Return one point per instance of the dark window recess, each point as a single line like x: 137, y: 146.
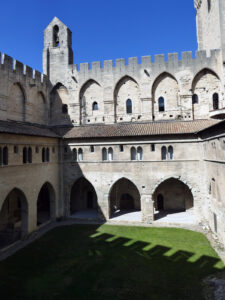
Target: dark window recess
x: 95, y: 106
x: 129, y: 106
x: 195, y: 99
x: 65, y: 149
x: 215, y: 101
x: 37, y: 150
x: 161, y: 103
x: 15, y: 149
x: 65, y: 109
x: 121, y: 148
x: 152, y: 147
x: 92, y: 148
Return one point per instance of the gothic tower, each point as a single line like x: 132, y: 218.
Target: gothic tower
x: 57, y: 53
x: 210, y: 20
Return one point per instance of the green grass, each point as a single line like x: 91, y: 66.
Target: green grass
x: 110, y: 262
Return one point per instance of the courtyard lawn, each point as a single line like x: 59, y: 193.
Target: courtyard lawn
x: 110, y: 262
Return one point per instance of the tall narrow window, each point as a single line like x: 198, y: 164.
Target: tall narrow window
x: 129, y: 106
x: 29, y: 155
x: 47, y: 155
x: 110, y: 152
x: 195, y: 99
x: 5, y: 156
x: 104, y: 154
x: 170, y: 153
x: 133, y: 153
x: 80, y: 154
x: 56, y: 36
x: 139, y: 153
x: 95, y: 106
x: 0, y: 156
x: 74, y: 154
x: 161, y: 103
x: 215, y: 101
x: 24, y: 155
x: 65, y: 109
x: 43, y: 155
x: 209, y: 5
x: 163, y: 153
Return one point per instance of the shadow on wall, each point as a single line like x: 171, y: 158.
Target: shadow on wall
x: 127, y: 266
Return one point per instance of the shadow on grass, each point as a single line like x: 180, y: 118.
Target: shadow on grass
x: 79, y: 262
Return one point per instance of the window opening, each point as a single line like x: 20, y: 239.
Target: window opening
x: 161, y: 103
x: 129, y: 106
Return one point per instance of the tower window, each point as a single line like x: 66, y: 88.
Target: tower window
x: 161, y: 103
x: 152, y: 147
x: 92, y: 148
x: 95, y: 106
x: 56, y: 36
x: 129, y: 106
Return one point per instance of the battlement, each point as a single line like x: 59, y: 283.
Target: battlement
x: 171, y: 63
x: 10, y: 65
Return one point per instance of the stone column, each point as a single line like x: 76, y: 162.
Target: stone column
x: 147, y: 207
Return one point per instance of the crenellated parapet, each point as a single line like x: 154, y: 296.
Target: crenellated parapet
x: 22, y: 72
x: 151, y: 66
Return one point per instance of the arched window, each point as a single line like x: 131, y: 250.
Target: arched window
x: 195, y: 99
x: 80, y: 154
x: 139, y: 153
x: 47, y: 155
x: 56, y: 36
x: 163, y: 153
x: 161, y: 103
x: 24, y: 155
x: 5, y: 156
x: 110, y: 154
x: 170, y: 153
x: 129, y: 106
x: 65, y: 109
x: 95, y: 106
x: 104, y: 154
x: 29, y: 155
x: 74, y: 154
x: 215, y: 101
x: 133, y: 154
x: 43, y: 154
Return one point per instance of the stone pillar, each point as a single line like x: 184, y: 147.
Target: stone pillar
x: 103, y: 210
x: 147, y: 207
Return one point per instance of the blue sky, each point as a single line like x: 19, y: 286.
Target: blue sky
x: 102, y: 29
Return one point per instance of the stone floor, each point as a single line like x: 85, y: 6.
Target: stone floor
x: 185, y: 217
x: 127, y: 216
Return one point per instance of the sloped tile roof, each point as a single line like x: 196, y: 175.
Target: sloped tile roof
x: 26, y: 129
x: 139, y: 129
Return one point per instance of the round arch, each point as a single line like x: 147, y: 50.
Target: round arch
x: 172, y: 194
x: 83, y: 196
x: 124, y: 197
x: 13, y: 217
x: 46, y: 204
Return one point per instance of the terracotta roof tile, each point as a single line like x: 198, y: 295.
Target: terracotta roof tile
x: 26, y: 129
x: 139, y: 129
